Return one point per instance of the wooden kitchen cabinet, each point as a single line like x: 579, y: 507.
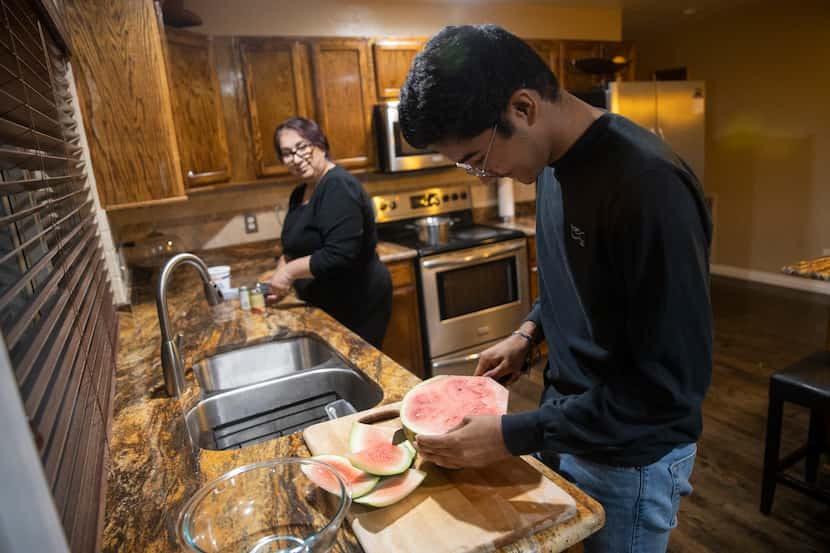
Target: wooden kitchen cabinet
x: 393, y: 59
x: 118, y: 61
x: 278, y: 86
x: 343, y: 88
x: 403, y: 335
x: 197, y: 109
x: 551, y: 52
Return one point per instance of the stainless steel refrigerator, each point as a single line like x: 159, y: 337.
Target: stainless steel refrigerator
x: 674, y: 110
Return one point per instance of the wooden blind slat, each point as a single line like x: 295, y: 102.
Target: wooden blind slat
x: 33, y: 160
x: 25, y: 137
x: 54, y: 227
x: 30, y: 185
x: 39, y: 208
x: 25, y: 113
x: 33, y: 393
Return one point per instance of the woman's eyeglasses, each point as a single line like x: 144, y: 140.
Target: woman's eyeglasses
x: 481, y: 172
x: 301, y: 150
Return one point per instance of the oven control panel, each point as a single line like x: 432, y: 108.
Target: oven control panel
x: 421, y: 202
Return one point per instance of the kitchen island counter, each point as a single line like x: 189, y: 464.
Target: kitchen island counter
x: 153, y: 468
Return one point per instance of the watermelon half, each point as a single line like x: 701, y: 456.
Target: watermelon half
x: 360, y: 482
x: 439, y: 404
x: 367, y: 436
x: 393, y: 489
x: 384, y: 459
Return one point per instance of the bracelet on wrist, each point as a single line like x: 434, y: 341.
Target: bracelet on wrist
x: 524, y: 335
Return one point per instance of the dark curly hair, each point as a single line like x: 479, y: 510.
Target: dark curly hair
x: 306, y: 128
x: 461, y: 83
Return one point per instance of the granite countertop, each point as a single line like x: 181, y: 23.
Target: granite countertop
x: 523, y: 223
x: 817, y: 269
x: 153, y: 468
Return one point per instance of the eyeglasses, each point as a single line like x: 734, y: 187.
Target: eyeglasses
x: 302, y: 150
x: 481, y: 172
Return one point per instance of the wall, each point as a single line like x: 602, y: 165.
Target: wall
x: 768, y: 127
x: 215, y: 219
x: 402, y: 18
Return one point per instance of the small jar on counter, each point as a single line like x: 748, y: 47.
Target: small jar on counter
x: 257, y: 300
x: 244, y: 298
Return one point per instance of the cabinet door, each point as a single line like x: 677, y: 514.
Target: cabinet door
x: 197, y: 109
x: 277, y: 82
x: 343, y: 87
x: 403, y: 335
x: 118, y: 60
x: 551, y: 52
x: 393, y: 58
x: 573, y: 78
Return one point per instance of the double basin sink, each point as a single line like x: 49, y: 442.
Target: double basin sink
x: 271, y: 389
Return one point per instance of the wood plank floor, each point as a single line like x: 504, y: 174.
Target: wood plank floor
x: 758, y: 329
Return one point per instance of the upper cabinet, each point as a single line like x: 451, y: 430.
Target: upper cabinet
x: 551, y: 53
x: 197, y: 109
x: 119, y: 65
x: 278, y: 86
x: 343, y: 87
x: 393, y: 58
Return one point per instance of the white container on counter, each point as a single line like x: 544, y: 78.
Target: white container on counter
x: 507, y: 206
x: 221, y: 276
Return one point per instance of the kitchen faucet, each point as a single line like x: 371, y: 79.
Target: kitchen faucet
x: 171, y: 360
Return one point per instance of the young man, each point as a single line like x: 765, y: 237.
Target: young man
x: 623, y: 239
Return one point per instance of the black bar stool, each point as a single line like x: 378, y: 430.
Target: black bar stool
x: 806, y: 383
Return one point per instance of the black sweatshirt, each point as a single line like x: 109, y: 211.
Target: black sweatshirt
x: 623, y: 236
x: 337, y: 229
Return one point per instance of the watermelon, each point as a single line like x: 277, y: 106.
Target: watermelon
x: 393, y: 489
x: 384, y: 459
x: 367, y: 436
x: 360, y: 482
x: 439, y: 404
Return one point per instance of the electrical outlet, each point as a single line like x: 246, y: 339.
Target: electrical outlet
x: 250, y: 223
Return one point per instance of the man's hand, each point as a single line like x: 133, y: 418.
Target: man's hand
x: 504, y: 360
x: 476, y: 442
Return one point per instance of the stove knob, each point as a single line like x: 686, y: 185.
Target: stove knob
x: 393, y: 204
x: 383, y: 206
x: 463, y: 195
x: 455, y: 196
x: 446, y: 198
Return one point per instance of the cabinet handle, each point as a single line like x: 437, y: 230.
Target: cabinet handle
x: 207, y: 176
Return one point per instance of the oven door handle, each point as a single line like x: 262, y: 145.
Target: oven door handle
x: 430, y: 263
x: 456, y: 360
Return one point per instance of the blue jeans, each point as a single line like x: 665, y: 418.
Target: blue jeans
x: 640, y: 503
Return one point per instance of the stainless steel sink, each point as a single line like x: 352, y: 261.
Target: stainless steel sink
x: 265, y: 361
x: 277, y: 407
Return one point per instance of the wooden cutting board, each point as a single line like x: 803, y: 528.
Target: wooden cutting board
x: 453, y: 511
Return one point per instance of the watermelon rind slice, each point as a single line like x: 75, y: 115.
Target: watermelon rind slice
x: 493, y: 400
x: 384, y: 459
x: 364, y: 436
x: 393, y: 489
x: 360, y: 481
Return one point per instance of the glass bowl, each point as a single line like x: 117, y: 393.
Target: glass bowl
x: 266, y: 507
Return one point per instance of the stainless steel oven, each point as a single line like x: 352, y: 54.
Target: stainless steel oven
x: 473, y: 296
x: 395, y: 153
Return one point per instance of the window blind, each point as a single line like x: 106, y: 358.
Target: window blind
x: 56, y: 309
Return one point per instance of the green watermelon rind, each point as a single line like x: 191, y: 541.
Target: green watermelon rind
x: 390, y: 470
x: 358, y: 490
x: 360, y: 434
x: 371, y: 499
x: 410, y: 428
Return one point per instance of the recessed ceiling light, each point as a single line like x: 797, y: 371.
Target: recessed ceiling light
x: 690, y: 11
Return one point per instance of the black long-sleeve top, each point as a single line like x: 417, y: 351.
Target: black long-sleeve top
x: 623, y: 237
x: 337, y: 229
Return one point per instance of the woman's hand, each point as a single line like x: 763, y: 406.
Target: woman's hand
x: 281, y: 280
x: 504, y: 361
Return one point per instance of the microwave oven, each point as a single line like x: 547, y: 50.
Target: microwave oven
x: 395, y: 153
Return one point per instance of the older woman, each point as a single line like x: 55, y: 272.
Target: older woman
x: 329, y: 236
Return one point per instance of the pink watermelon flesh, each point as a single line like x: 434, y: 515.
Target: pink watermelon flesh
x: 384, y: 459
x: 360, y: 482
x: 439, y: 404
x: 393, y: 489
x: 368, y: 436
